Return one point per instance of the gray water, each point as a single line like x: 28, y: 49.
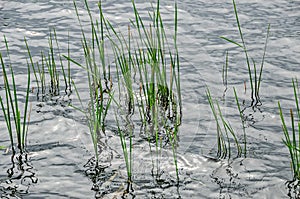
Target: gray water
x: 59, y: 143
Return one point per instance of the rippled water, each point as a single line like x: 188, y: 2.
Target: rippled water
x: 58, y: 140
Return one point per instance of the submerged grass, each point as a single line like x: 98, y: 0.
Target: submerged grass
x: 15, y: 121
x: 292, y: 134
x: 255, y: 82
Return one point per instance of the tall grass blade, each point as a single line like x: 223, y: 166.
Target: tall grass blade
x: 18, y: 122
x: 262, y: 62
x: 291, y: 139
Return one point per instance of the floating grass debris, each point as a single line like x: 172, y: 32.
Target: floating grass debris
x: 16, y: 122
x: 255, y: 82
x: 292, y: 133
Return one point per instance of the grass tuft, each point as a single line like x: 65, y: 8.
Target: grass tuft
x: 225, y: 132
x: 50, y: 71
x: 292, y: 133
x: 255, y: 76
x: 11, y: 109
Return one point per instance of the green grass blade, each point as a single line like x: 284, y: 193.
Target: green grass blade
x: 263, y: 60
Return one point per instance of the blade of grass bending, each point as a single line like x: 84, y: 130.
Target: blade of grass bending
x: 80, y: 65
x: 79, y: 98
x: 100, y: 44
x: 231, y: 41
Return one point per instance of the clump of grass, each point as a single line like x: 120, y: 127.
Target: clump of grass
x: 100, y: 95
x: 148, y: 68
x: 16, y: 122
x: 292, y: 134
x: 147, y: 57
x: 158, y: 65
x: 50, y: 71
x: 123, y: 60
x: 225, y: 132
x: 255, y: 82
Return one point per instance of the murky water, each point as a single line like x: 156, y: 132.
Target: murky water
x: 60, y: 148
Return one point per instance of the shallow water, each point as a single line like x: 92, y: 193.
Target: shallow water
x: 59, y: 144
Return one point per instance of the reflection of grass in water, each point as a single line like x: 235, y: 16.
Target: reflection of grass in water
x: 21, y: 176
x: 292, y: 139
x: 255, y: 81
x: 15, y: 121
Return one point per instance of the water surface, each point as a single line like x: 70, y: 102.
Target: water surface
x: 59, y: 144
